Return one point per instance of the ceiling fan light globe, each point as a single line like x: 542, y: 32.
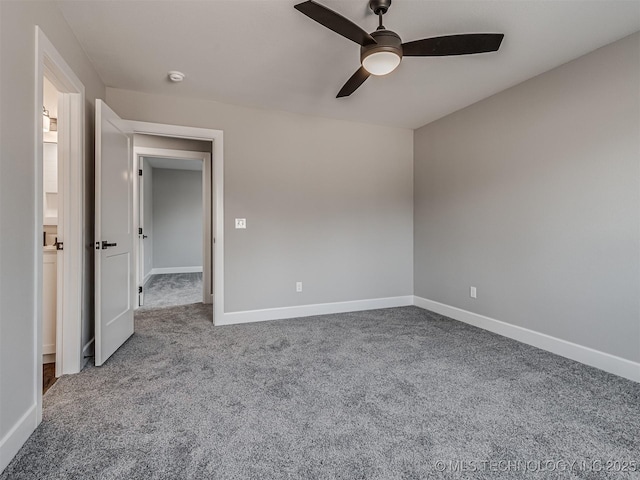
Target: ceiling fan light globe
x: 381, y: 63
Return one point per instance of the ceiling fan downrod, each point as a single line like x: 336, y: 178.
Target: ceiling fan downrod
x: 379, y: 7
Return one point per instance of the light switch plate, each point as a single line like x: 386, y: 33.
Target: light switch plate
x: 241, y: 223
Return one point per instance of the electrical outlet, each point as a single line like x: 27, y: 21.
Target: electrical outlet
x: 472, y: 292
x: 298, y: 287
x: 241, y: 223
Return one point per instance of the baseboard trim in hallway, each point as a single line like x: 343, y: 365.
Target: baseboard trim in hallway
x: 165, y: 270
x: 589, y: 356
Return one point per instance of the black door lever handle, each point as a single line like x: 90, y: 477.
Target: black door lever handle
x: 106, y: 244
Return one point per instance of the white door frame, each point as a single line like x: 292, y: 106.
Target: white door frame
x: 71, y: 153
x: 216, y: 137
x: 205, y: 157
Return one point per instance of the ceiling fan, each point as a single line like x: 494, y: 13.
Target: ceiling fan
x: 382, y: 50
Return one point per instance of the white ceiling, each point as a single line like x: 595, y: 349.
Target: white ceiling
x: 174, y: 163
x: 264, y: 53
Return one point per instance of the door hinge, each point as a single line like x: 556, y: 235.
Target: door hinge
x: 140, y: 172
x: 139, y: 289
x: 59, y: 245
x: 139, y: 231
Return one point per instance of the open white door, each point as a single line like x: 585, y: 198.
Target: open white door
x: 114, y: 268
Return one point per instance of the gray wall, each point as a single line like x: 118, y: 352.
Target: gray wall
x: 532, y: 196
x: 327, y: 202
x: 147, y: 218
x: 177, y: 218
x: 17, y: 187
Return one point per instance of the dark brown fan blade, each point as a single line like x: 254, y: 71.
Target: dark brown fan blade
x: 353, y: 83
x: 465, y: 44
x: 336, y: 22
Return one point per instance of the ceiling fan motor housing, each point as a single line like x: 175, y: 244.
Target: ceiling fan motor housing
x: 379, y: 6
x: 388, y: 41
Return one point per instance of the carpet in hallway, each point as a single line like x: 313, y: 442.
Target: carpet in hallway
x: 172, y: 289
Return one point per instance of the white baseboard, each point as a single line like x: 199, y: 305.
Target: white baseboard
x: 589, y: 356
x: 248, y: 316
x: 48, y: 349
x: 146, y: 278
x: 160, y: 270
x: 49, y: 358
x: 15, y: 438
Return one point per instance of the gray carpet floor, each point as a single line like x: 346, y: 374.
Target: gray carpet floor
x: 387, y: 394
x: 172, y: 289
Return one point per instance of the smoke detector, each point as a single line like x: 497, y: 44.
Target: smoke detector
x: 176, y: 76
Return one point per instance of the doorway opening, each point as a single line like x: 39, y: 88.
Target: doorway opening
x: 173, y: 210
x: 59, y: 167
x: 52, y: 194
x: 214, y: 138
